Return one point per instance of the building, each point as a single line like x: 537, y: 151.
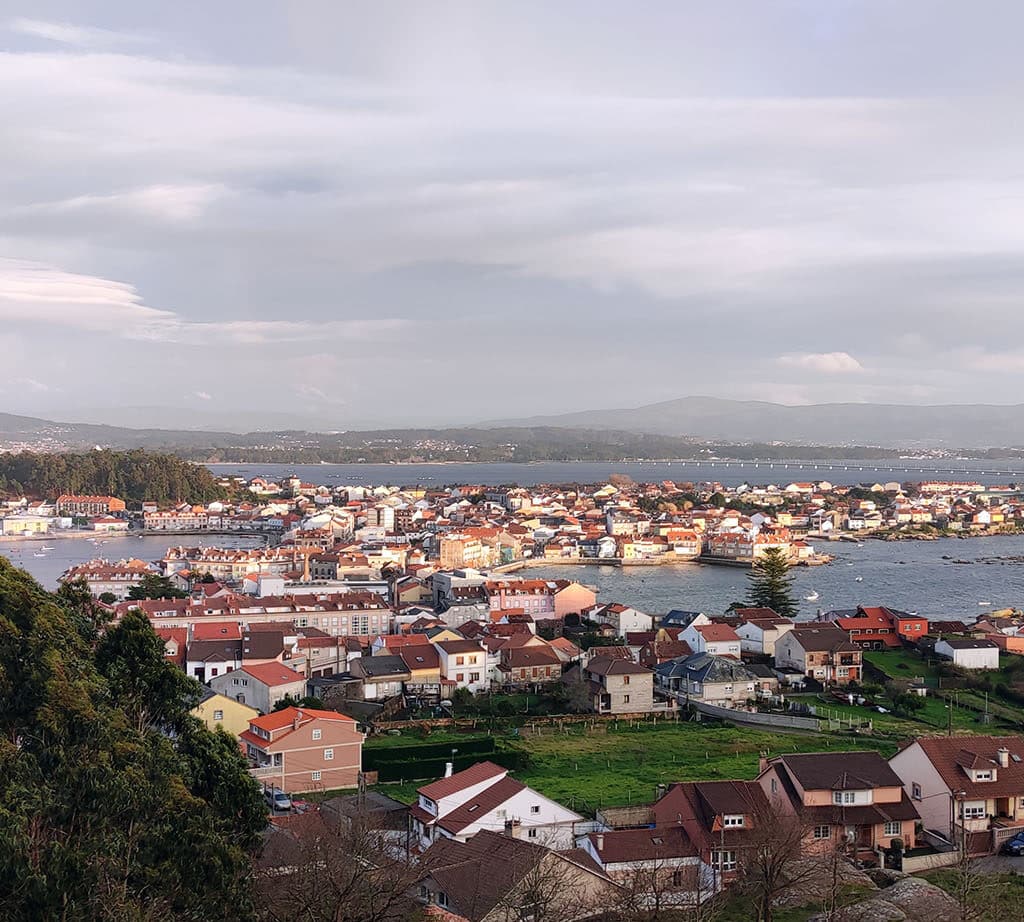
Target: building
x: 464, y: 662
x: 495, y: 878
x: 216, y: 710
x: 623, y: 618
x: 260, y: 686
x: 484, y: 797
x: 619, y: 686
x: 26, y: 524
x: 529, y: 664
x: 968, y: 788
x: 104, y: 577
x: 759, y: 630
x: 69, y: 504
x: 820, y: 651
x: 718, y: 680
x: 846, y: 800
x: 715, y: 638
x: 304, y: 749
x: 969, y: 652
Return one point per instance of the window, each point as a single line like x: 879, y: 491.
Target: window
x: 535, y: 808
x: 328, y: 755
x: 893, y: 829
x: 775, y: 786
x: 316, y: 776
x: 531, y: 833
x: 625, y: 699
x: 475, y: 676
x: 844, y: 797
x: 724, y: 860
x: 735, y: 819
x: 983, y: 776
x: 677, y: 878
x: 424, y: 892
x: 915, y: 791
x: 625, y: 680
x: 459, y: 676
x: 234, y: 681
x: 973, y: 811
x: 218, y: 715
x: 460, y: 661
x: 317, y: 734
x: 442, y: 898
x: 843, y: 672
x: 822, y: 832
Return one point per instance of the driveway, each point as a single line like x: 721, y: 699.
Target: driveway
x: 1000, y: 864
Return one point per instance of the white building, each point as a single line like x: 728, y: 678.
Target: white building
x: 623, y: 618
x: 464, y: 662
x: 968, y: 653
x: 260, y: 686
x: 483, y: 797
x: 758, y: 635
x: 716, y: 639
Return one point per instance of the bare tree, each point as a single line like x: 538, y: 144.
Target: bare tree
x: 977, y: 894
x: 319, y: 870
x: 773, y: 864
x: 663, y: 891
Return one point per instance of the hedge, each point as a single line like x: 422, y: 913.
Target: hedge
x: 477, y: 749
x: 429, y: 769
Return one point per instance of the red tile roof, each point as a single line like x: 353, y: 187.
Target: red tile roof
x: 475, y: 774
x: 286, y: 717
x: 272, y: 674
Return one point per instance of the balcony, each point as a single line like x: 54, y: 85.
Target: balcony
x: 264, y: 772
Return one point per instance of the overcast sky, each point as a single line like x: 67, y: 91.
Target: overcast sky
x: 396, y: 212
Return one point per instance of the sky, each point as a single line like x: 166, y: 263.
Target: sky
x: 406, y: 213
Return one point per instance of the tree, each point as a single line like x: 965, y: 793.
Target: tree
x: 309, y: 701
x: 573, y: 693
x: 325, y: 869
x: 153, y: 586
x: 104, y: 813
x: 772, y: 864
x: 771, y: 585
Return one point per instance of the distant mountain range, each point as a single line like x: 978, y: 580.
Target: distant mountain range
x: 715, y: 419
x: 674, y: 428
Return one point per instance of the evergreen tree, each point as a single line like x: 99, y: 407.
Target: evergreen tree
x: 114, y: 803
x: 155, y: 587
x: 771, y: 585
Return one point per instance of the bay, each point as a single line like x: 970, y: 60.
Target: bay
x: 728, y: 473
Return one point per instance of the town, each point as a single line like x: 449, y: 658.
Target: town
x: 383, y: 668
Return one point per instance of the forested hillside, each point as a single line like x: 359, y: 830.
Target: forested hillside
x: 131, y: 475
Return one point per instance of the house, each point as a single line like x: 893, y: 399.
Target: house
x: 820, y: 651
x: 495, y: 878
x: 851, y: 800
x: 870, y: 629
x: 216, y: 710
x: 619, y: 686
x: 464, y: 662
x: 483, y: 796
x: 572, y: 598
x: 759, y: 630
x: 261, y: 686
x: 720, y: 818
x: 304, y: 749
x: 381, y: 677
x: 659, y: 865
x: 968, y: 788
x: 715, y: 638
x: 622, y: 618
x: 718, y: 680
x: 72, y: 505
x: 969, y: 652
x: 529, y: 664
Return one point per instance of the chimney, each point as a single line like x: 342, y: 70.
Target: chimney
x: 762, y: 763
x: 448, y: 769
x: 599, y: 838
x: 1003, y: 754
x: 661, y: 791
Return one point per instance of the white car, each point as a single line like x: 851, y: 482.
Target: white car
x: 278, y: 800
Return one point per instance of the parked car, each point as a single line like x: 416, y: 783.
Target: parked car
x: 1014, y: 846
x: 278, y: 800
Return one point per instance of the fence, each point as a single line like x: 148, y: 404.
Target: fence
x: 756, y: 718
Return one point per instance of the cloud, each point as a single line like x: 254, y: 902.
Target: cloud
x: 37, y: 293
x: 65, y: 33
x: 825, y: 362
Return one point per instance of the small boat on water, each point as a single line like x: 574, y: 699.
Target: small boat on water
x: 813, y: 597
x: 38, y: 555
x: 984, y: 603
x: 858, y: 579
x: 46, y: 547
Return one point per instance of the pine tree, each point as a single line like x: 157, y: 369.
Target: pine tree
x: 771, y: 585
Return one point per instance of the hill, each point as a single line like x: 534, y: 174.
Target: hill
x: 716, y: 419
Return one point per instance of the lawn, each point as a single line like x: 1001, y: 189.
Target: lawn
x: 933, y: 717
x: 900, y: 664
x: 590, y: 769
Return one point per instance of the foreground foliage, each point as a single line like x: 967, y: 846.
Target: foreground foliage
x: 115, y: 804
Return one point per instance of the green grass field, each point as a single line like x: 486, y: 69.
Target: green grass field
x: 591, y: 769
x: 899, y: 664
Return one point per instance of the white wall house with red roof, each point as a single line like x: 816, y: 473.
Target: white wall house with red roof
x: 716, y: 639
x: 304, y: 749
x: 484, y: 798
